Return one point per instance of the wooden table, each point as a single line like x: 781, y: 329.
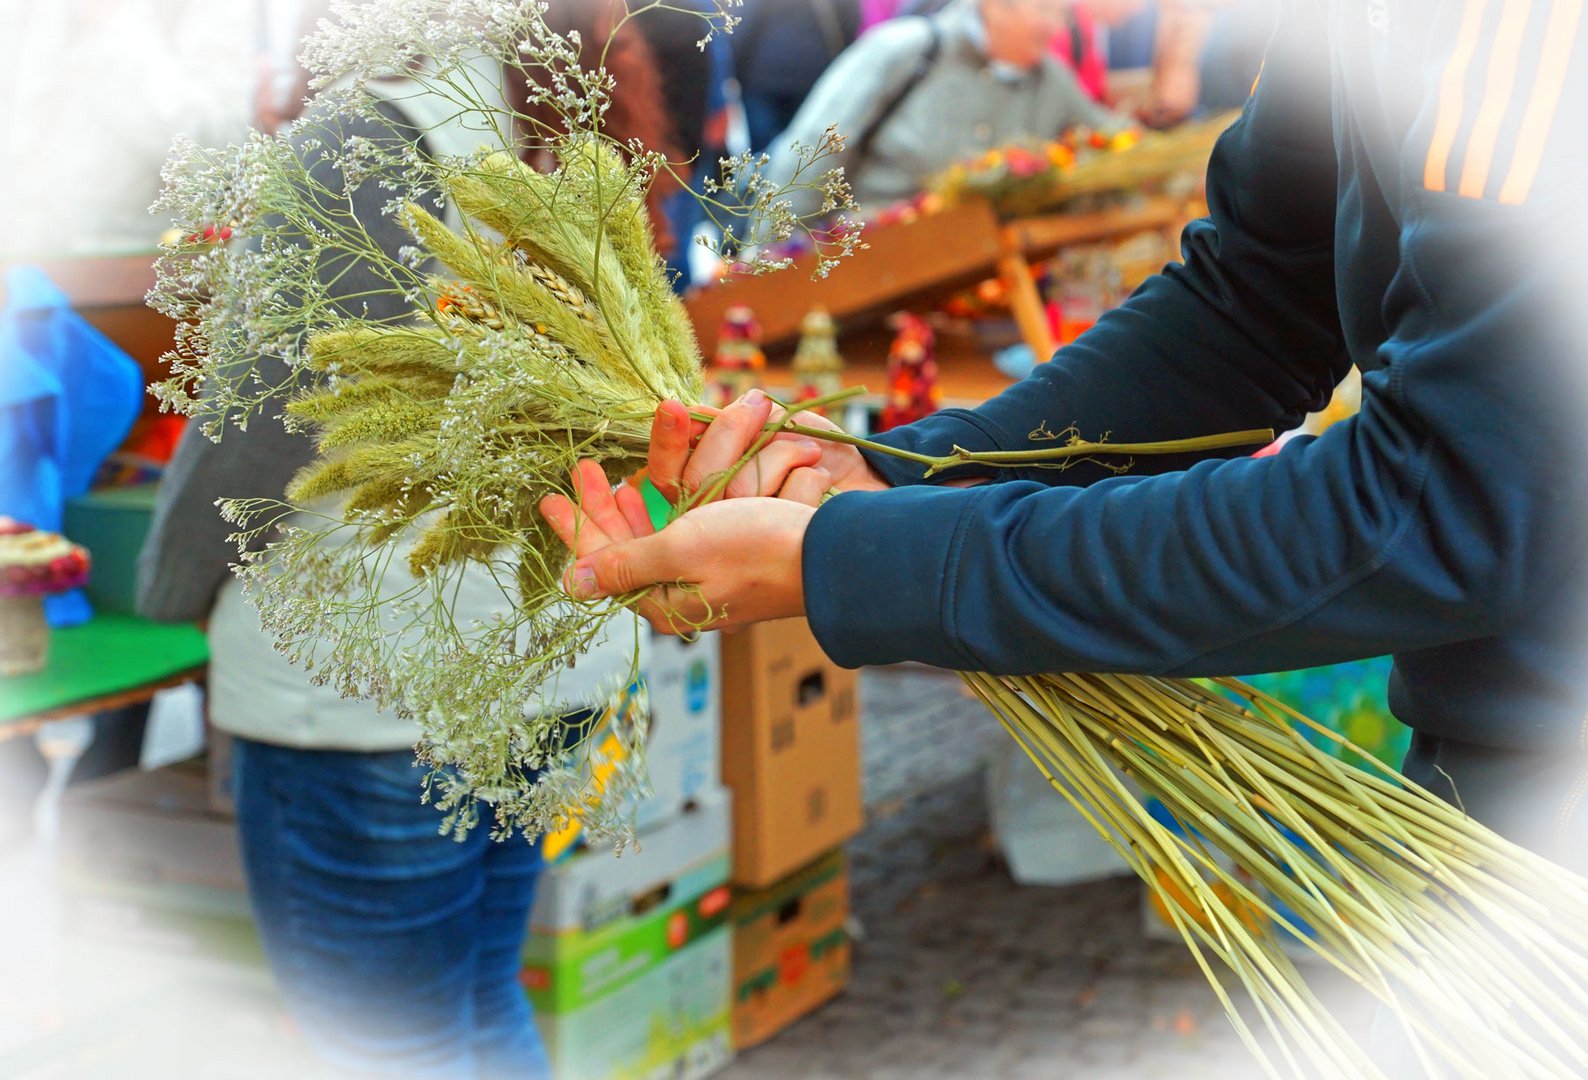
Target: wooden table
x: 920, y: 263
x: 109, y: 662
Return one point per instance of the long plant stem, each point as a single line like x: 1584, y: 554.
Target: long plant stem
x: 1045, y: 457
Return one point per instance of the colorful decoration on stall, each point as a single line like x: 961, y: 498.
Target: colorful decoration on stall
x: 33, y: 564
x: 818, y: 367
x: 912, y: 373
x: 1026, y: 179
x: 988, y: 298
x: 738, y: 362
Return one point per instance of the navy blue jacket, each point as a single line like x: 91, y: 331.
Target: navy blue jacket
x: 1399, y: 193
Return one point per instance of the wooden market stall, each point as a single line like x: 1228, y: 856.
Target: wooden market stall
x: 918, y: 264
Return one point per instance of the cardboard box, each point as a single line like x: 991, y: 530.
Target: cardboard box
x: 112, y: 524
x: 686, y: 857
x: 790, y: 750
x: 669, y: 1021
x: 627, y: 963
x: 683, y: 750
x: 1044, y: 840
x: 790, y: 948
x: 564, y: 973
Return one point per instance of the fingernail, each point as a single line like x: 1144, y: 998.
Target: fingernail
x: 666, y: 420
x: 755, y: 397
x: 582, y: 582
x: 809, y: 444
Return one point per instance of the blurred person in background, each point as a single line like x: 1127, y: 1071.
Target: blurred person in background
x: 639, y: 107
x: 780, y: 50
x: 695, y: 88
x: 397, y: 948
x: 918, y: 94
x: 669, y: 96
x: 1233, y: 53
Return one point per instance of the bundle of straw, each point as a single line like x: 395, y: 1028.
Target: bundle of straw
x: 1152, y: 158
x: 1478, y: 945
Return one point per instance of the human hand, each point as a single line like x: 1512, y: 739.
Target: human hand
x: 719, y: 565
x: 680, y: 466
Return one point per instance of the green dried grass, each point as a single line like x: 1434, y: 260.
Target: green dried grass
x: 1480, y: 946
x: 559, y: 318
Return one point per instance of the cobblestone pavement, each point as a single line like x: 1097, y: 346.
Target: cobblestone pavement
x: 962, y: 973
x: 959, y: 972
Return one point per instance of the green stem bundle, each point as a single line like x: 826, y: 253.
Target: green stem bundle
x: 1477, y: 945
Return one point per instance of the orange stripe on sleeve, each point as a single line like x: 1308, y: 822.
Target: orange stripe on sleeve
x: 1496, y: 97
x: 1451, y: 96
x: 1559, y: 37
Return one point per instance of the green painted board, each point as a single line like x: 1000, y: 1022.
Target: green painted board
x: 109, y: 654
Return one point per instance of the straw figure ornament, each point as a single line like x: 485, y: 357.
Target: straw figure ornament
x: 818, y: 368
x: 540, y: 329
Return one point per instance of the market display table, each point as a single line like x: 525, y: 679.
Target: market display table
x: 916, y: 263
x: 110, y: 661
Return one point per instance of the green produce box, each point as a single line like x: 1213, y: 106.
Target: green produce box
x: 669, y: 1020
x: 601, y: 921
x: 112, y: 524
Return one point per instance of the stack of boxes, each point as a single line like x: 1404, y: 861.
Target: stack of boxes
x: 791, y: 756
x: 627, y: 962
x: 651, y: 964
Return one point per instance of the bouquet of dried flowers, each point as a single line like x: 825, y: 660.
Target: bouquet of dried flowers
x: 536, y: 326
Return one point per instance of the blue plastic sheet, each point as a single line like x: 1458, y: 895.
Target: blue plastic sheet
x: 68, y: 397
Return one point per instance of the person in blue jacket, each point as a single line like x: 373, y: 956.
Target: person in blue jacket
x: 1399, y: 193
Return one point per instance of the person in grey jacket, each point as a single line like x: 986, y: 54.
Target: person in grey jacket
x: 916, y: 95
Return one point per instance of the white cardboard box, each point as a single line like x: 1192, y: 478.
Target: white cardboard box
x: 593, y: 886
x: 1044, y: 839
x: 684, y: 750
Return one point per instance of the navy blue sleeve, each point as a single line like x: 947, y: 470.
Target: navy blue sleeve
x: 1449, y: 509
x: 1243, y: 334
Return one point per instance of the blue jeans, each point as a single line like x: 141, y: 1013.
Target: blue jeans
x: 397, y: 949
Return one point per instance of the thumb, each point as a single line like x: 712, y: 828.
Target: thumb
x: 624, y: 567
